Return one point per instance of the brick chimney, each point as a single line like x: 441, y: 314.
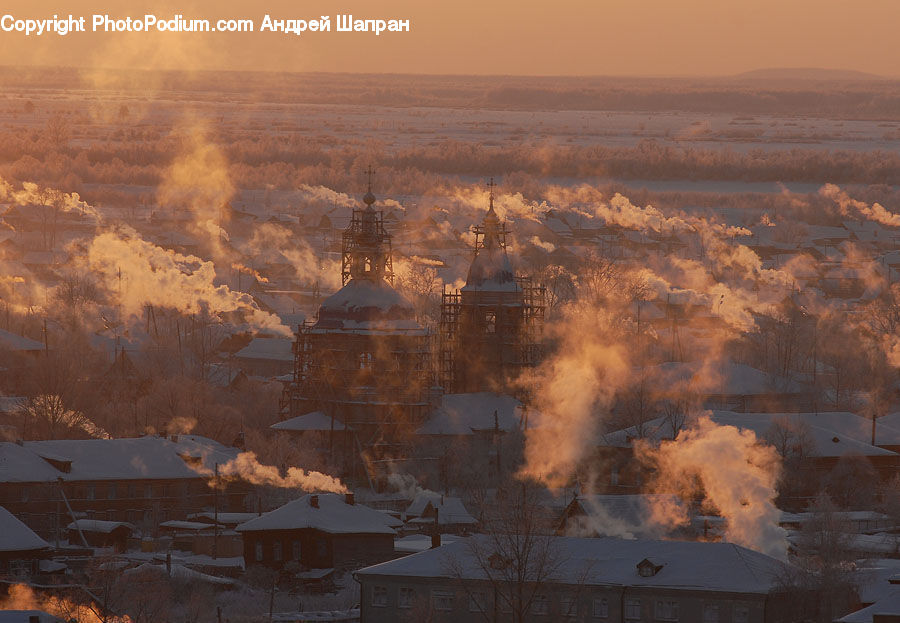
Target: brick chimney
x: 436, y: 532
x: 349, y: 498
x: 314, y: 501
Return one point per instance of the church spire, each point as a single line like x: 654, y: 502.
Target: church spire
x: 493, y: 233
x: 369, y: 198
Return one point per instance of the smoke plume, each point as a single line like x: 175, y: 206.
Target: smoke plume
x: 246, y: 467
x: 737, y: 473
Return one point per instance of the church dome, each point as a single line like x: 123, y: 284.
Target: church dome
x: 491, y: 270
x: 367, y: 304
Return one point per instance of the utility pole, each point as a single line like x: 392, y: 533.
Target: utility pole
x: 216, y: 514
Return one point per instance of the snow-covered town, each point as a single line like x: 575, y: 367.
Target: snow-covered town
x: 432, y: 346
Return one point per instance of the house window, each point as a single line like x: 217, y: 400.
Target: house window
x: 295, y: 550
x: 365, y: 361
x: 111, y: 492
x: 405, y: 597
x: 276, y: 550
x: 380, y: 596
x: 614, y: 476
x: 442, y: 600
x: 741, y: 614
x: 91, y: 492
x: 258, y: 550
x: 568, y: 607
x: 477, y: 601
x: 540, y: 605
x: 20, y: 568
x: 633, y: 609
x: 148, y: 491
x: 711, y: 613
x: 601, y: 608
x: 490, y: 322
x: 666, y: 610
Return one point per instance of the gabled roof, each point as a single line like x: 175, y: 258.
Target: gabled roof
x: 100, y: 526
x: 463, y: 414
x: 15, y: 536
x: 450, y: 510
x: 316, y: 420
x: 269, y: 348
x: 609, y: 561
x: 138, y: 458
x: 333, y: 516
x: 887, y: 605
x: 14, y: 342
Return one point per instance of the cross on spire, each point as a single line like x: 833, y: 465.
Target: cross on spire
x: 370, y: 172
x: 491, y: 195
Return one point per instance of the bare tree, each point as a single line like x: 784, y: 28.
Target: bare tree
x: 45, y: 417
x: 514, y: 560
x: 818, y: 587
x: 420, y: 284
x: 853, y: 482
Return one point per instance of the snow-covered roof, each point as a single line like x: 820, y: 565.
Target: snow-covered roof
x: 15, y: 536
x: 225, y: 519
x: 450, y: 509
x: 270, y: 348
x: 826, y: 232
x: 315, y: 420
x: 413, y: 543
x: 176, y: 524
x: 99, y: 526
x: 180, y: 572
x: 873, y: 578
x: 364, y: 304
x: 888, y: 605
x: 18, y: 343
x: 138, y: 458
x: 462, y: 414
x: 855, y: 426
x: 614, y: 515
x: 28, y: 616
x: 735, y: 379
x: 824, y: 442
x: 333, y: 515
x: 10, y: 404
x: 610, y: 561
x: 491, y: 271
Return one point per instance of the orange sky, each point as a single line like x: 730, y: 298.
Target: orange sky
x: 569, y: 37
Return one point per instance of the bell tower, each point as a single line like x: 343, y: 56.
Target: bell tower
x: 491, y: 329
x: 365, y: 245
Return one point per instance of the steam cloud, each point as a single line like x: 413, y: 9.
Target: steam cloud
x: 246, y: 467
x: 738, y: 475
x: 150, y: 274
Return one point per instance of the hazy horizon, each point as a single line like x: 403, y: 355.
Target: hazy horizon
x: 829, y: 73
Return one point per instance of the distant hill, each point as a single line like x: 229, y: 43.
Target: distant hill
x: 808, y: 73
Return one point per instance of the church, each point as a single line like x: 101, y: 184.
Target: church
x: 368, y: 376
